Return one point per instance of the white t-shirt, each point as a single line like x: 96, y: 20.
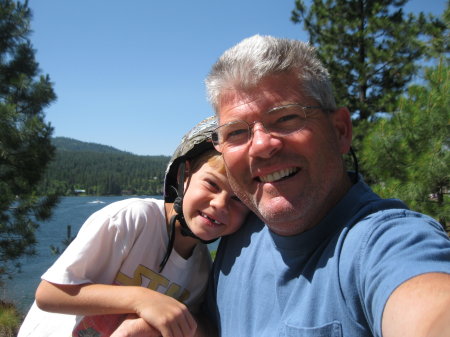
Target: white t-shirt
x: 123, y: 243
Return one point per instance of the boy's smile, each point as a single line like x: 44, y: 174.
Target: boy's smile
x: 210, y: 207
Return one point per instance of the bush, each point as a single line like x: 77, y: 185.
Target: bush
x: 10, y: 320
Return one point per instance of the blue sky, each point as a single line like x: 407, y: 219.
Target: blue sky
x: 130, y: 74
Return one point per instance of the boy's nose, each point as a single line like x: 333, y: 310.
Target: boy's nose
x: 219, y: 202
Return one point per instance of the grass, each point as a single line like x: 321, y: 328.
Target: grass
x: 10, y: 320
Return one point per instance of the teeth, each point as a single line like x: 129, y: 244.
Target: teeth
x: 277, y: 175
x: 211, y: 219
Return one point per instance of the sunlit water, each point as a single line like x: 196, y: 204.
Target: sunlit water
x: 71, y: 211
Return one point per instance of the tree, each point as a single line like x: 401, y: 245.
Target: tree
x: 408, y: 155
x: 370, y: 47
x: 25, y: 138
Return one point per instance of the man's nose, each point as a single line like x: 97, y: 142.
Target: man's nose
x: 263, y: 143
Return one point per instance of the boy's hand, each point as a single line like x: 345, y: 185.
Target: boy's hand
x: 134, y: 326
x: 171, y: 317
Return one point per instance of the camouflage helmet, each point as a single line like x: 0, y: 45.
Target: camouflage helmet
x: 193, y: 143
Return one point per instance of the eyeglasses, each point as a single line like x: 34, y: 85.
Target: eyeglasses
x: 281, y: 121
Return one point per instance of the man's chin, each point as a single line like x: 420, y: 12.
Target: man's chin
x: 269, y: 206
x: 275, y: 210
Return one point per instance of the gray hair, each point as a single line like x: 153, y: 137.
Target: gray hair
x: 247, y: 63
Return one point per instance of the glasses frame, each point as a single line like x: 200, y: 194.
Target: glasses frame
x: 218, y: 146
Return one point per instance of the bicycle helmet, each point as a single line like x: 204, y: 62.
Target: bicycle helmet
x: 193, y: 144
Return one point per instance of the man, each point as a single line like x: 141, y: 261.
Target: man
x: 331, y: 258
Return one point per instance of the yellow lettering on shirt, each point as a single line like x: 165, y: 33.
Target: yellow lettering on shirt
x: 156, y: 282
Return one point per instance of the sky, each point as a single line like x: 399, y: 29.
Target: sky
x: 130, y: 74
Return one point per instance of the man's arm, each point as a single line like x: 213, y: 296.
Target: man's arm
x: 419, y: 307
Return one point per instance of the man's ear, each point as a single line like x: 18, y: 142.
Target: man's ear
x: 343, y: 126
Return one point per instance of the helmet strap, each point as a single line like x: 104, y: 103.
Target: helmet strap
x: 171, y: 242
x: 180, y: 178
x: 178, y: 206
x: 186, y: 231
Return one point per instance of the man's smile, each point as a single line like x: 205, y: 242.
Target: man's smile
x: 278, y: 175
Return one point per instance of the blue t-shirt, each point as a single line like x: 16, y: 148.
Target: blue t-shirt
x: 333, y: 280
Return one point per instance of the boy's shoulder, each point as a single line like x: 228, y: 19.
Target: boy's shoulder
x: 134, y: 203
x: 132, y: 208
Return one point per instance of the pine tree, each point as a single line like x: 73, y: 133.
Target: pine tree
x: 408, y: 155
x: 370, y: 47
x: 25, y: 138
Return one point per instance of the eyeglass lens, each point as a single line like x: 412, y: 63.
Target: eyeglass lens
x: 278, y: 122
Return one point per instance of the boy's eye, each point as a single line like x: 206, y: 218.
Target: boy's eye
x: 212, y: 184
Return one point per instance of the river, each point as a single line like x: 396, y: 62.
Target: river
x: 71, y: 211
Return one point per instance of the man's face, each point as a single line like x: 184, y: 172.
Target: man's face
x: 290, y: 181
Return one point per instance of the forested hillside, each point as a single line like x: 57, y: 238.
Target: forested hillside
x: 95, y: 169
x: 69, y: 144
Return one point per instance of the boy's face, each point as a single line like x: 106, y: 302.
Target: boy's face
x: 210, y: 207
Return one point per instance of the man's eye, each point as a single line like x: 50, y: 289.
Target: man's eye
x: 289, y: 118
x: 237, y: 133
x: 288, y: 123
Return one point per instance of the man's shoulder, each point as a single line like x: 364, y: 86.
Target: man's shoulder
x: 390, y: 213
x: 387, y: 227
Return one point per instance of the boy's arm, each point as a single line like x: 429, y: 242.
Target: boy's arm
x: 134, y: 326
x: 419, y: 307
x: 167, y: 315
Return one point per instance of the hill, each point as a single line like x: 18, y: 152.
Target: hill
x: 69, y: 144
x: 95, y: 169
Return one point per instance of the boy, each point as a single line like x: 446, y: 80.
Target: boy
x: 134, y: 242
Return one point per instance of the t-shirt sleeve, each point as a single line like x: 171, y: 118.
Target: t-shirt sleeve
x: 103, y: 242
x: 398, y: 246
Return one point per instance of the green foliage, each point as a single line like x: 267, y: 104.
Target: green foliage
x: 10, y: 320
x: 102, y: 170
x: 66, y: 242
x: 408, y: 155
x: 69, y: 144
x: 25, y: 138
x: 213, y: 254
x: 371, y: 48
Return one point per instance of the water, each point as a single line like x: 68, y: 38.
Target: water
x: 71, y: 211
